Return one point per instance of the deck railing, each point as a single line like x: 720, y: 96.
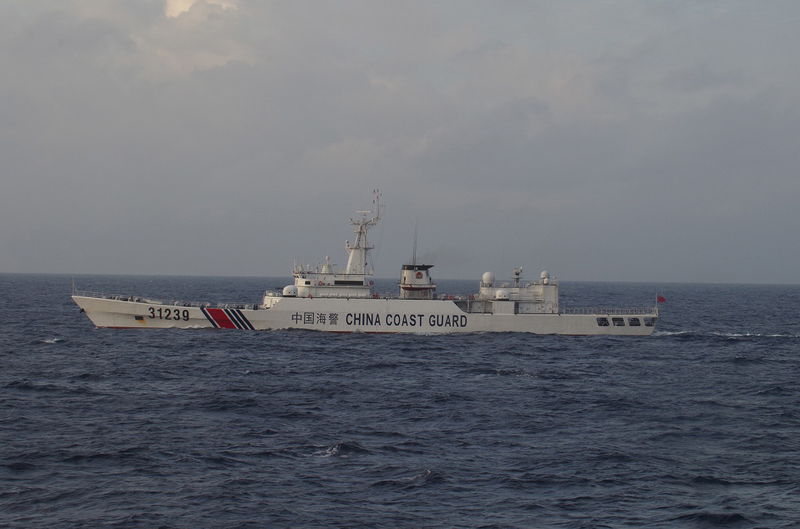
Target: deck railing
x: 174, y: 303
x: 121, y: 297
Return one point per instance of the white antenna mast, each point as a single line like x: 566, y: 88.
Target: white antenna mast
x: 357, y: 258
x: 414, y: 255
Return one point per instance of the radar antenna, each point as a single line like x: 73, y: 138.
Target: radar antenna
x: 357, y: 252
x: 517, y: 273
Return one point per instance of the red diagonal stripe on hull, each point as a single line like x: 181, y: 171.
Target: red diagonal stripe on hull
x: 221, y: 318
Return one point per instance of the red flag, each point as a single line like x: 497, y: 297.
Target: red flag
x: 661, y: 299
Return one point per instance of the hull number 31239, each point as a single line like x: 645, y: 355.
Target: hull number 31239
x: 168, y: 314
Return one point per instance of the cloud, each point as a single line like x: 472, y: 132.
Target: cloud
x: 602, y: 144
x: 176, y: 8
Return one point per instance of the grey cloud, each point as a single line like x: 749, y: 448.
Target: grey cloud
x: 233, y: 141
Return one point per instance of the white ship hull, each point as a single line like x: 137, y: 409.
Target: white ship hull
x: 328, y: 299
x: 360, y: 316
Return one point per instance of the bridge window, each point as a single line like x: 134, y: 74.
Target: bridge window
x: 602, y: 322
x: 649, y: 322
x: 634, y: 322
x: 618, y: 322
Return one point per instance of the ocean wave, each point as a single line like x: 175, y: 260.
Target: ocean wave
x: 18, y: 467
x: 43, y: 387
x: 711, y: 519
x: 342, y: 450
x: 710, y: 480
x: 422, y: 479
x: 48, y: 341
x: 727, y: 335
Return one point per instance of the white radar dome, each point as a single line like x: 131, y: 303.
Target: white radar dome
x: 501, y: 294
x: 545, y: 274
x: 487, y: 279
x: 290, y: 291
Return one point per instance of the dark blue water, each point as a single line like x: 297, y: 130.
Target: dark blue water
x: 696, y: 426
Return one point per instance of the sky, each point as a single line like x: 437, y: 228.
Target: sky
x: 619, y: 140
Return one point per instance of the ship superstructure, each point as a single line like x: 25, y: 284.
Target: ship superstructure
x: 355, y: 281
x: 323, y: 298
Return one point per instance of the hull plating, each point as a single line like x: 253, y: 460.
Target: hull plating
x: 354, y: 315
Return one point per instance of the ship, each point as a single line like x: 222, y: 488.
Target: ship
x: 325, y: 298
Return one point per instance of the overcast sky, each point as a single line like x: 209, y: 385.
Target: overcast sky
x: 603, y: 140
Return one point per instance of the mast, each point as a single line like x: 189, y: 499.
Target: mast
x: 414, y: 255
x: 357, y: 252
x: 415, y: 279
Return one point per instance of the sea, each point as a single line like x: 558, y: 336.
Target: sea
x: 697, y: 426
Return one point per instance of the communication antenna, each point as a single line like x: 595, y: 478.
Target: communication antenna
x: 414, y: 254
